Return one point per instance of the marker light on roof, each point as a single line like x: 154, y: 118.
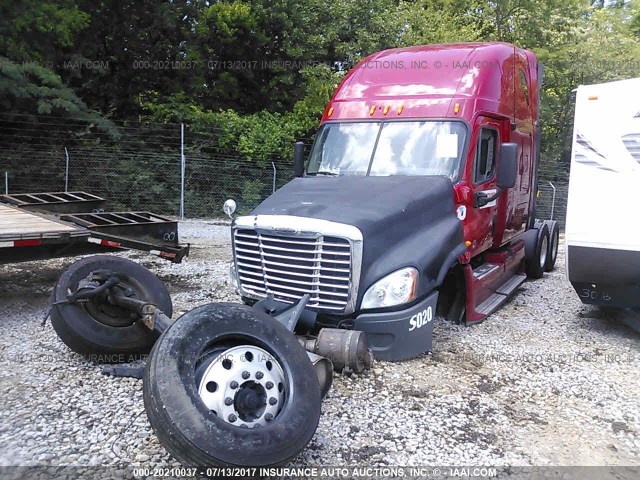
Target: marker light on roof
x: 372, y: 110
x: 456, y: 108
x: 386, y: 110
x: 330, y: 112
x: 400, y: 108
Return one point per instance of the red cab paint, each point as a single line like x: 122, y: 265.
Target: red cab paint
x: 493, y: 88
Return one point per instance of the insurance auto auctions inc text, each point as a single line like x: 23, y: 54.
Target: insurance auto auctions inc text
x: 377, y: 472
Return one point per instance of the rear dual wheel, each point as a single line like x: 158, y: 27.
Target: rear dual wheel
x: 554, y: 241
x: 541, y: 248
x: 228, y: 385
x: 537, y: 251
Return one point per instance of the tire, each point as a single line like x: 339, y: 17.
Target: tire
x: 452, y: 301
x: 98, y: 330
x: 554, y: 240
x: 537, y: 259
x: 188, y: 428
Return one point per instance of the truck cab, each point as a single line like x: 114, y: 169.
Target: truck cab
x: 417, y: 198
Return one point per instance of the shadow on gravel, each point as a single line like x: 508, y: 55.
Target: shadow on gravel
x: 25, y: 280
x: 623, y: 323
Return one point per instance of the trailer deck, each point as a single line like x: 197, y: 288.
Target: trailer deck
x: 46, y: 225
x: 56, y: 202
x: 17, y: 224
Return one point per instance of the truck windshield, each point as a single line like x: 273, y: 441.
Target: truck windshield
x: 388, y: 148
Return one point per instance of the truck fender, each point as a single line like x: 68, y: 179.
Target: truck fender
x: 449, y: 262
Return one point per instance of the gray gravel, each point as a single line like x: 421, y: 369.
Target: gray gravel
x: 544, y: 381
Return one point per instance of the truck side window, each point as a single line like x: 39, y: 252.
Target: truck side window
x: 485, y: 155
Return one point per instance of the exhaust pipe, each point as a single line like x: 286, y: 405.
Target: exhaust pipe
x: 324, y: 372
x: 345, y: 349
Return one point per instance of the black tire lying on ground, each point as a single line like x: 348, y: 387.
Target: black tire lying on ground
x: 178, y: 369
x: 101, y: 331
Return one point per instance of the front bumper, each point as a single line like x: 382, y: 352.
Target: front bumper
x: 400, y: 335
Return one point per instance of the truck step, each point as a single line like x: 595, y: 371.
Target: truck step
x: 484, y: 270
x: 501, y: 294
x: 510, y: 285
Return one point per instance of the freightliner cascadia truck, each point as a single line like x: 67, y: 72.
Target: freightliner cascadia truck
x: 417, y: 199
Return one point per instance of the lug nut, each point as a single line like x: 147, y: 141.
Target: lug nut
x: 259, y: 375
x: 233, y: 385
x: 245, y: 374
x: 273, y: 401
x: 243, y: 426
x: 232, y: 418
x: 269, y: 385
x: 268, y: 417
x: 228, y: 401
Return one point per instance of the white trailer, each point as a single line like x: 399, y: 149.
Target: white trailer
x: 603, y: 224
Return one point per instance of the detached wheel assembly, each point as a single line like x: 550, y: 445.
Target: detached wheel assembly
x: 229, y: 385
x: 96, y: 326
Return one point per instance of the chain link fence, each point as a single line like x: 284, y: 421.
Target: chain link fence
x: 552, y: 199
x: 141, y: 168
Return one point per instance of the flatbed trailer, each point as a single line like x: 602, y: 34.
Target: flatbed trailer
x: 38, y: 226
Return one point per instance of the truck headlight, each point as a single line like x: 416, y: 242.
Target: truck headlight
x: 395, y: 289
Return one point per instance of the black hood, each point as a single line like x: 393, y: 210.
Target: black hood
x: 405, y: 221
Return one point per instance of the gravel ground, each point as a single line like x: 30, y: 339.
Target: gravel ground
x: 544, y: 381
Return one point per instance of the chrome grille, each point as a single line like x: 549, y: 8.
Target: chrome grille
x: 290, y: 266
x: 632, y: 142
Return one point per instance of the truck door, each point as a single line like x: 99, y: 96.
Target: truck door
x: 483, y: 178
x: 516, y: 211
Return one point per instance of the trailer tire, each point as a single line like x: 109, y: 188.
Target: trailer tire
x: 554, y: 240
x: 536, y: 250
x: 182, y: 361
x: 101, y: 342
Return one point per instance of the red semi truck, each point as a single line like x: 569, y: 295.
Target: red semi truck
x: 418, y: 196
x: 422, y: 185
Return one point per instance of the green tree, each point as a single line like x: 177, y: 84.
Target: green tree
x: 33, y: 36
x: 35, y: 31
x: 28, y: 87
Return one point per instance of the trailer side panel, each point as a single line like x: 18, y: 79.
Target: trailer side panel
x: 602, y: 236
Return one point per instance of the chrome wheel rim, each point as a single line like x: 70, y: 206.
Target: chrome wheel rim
x: 244, y: 386
x: 543, y: 251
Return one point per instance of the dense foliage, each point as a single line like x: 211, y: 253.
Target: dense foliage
x: 258, y: 73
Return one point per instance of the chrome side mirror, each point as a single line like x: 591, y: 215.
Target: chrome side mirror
x: 229, y: 207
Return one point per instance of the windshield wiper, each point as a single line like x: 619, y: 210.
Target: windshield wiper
x: 331, y: 174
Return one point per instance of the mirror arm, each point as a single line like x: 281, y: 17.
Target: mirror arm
x: 495, y: 196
